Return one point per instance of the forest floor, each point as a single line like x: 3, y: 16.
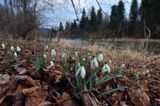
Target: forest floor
x: 30, y: 79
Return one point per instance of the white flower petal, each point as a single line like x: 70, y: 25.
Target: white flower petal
x: 53, y: 53
x: 15, y: 54
x: 94, y: 63
x: 44, y: 55
x: 100, y: 57
x: 63, y: 55
x: 3, y: 46
x: 18, y: 49
x: 76, y: 53
x: 83, y: 72
x: 106, y: 68
x: 12, y: 48
x: 110, y: 61
x: 78, y: 71
x: 46, y: 47
x: 122, y: 66
x: 51, y: 63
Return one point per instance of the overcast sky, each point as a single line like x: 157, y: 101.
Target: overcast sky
x: 63, y: 10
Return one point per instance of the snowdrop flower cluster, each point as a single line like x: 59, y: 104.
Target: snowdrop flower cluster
x: 53, y: 53
x: 81, y: 70
x: 94, y: 63
x: 100, y: 57
x: 3, y: 46
x: 106, y: 68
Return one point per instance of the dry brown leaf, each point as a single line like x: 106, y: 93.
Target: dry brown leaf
x: 29, y: 81
x: 21, y: 70
x: 34, y: 96
x: 46, y: 103
x: 67, y: 100
x: 139, y: 97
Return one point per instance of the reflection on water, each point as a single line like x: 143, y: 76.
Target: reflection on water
x: 150, y: 46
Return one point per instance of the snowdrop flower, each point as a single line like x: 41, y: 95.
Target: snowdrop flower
x: 88, y: 53
x: 53, y: 53
x: 110, y: 61
x: 63, y: 55
x: 44, y: 55
x: 94, y: 63
x: 12, y: 48
x: 100, y: 57
x: 18, y: 49
x: 15, y: 54
x: 78, y: 64
x: 83, y: 59
x: 3, y: 46
x: 122, y: 66
x: 106, y: 68
x: 81, y: 70
x: 76, y: 53
x: 51, y: 63
x: 45, y: 47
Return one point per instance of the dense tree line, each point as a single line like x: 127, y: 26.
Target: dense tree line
x: 22, y: 18
x: 142, y: 22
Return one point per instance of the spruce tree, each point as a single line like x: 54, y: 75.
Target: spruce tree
x: 99, y: 17
x: 133, y: 11
x: 83, y: 20
x: 60, y: 26
x: 67, y: 26
x: 114, y: 20
x: 121, y: 17
x: 121, y: 11
x: 93, y: 20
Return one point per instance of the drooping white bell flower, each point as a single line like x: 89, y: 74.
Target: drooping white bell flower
x: 83, y: 59
x: 12, y: 48
x: 3, y: 46
x: 53, y: 53
x: 18, y: 49
x: 81, y: 70
x: 44, y: 55
x: 45, y: 47
x: 88, y: 53
x: 51, y: 63
x: 106, y: 68
x: 78, y: 64
x: 15, y: 54
x: 63, y: 55
x: 76, y: 53
x: 100, y: 57
x: 110, y: 61
x: 122, y: 66
x: 94, y: 63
